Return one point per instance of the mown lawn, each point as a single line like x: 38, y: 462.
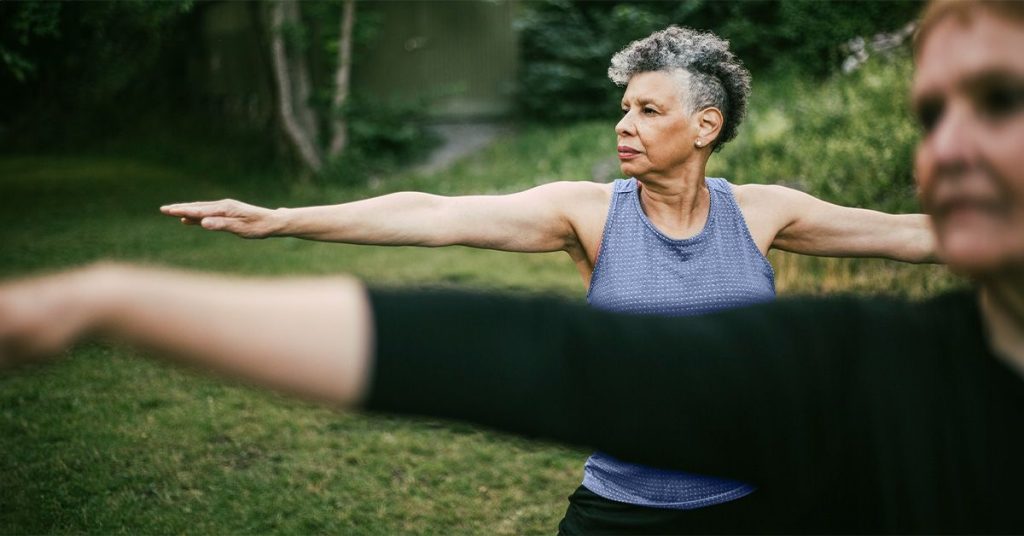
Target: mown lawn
x: 106, y: 442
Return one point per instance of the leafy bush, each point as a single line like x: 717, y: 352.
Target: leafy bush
x: 70, y: 70
x: 102, y: 47
x: 565, y: 48
x: 849, y: 140
x: 383, y: 135
x: 566, y: 45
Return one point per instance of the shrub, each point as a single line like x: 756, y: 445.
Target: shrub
x: 566, y: 45
x: 849, y: 140
x: 383, y: 135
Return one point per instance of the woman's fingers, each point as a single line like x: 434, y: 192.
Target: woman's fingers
x: 202, y: 209
x: 218, y: 224
x: 227, y: 215
x: 193, y: 211
x: 175, y: 208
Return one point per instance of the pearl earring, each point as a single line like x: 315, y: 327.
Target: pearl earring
x: 699, y: 143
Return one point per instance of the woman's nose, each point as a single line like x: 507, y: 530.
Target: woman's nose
x: 952, y: 139
x: 625, y: 125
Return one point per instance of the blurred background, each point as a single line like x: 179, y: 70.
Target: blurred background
x: 110, y: 109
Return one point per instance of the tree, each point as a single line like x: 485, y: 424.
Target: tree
x: 341, y: 79
x: 21, y: 24
x: 292, y: 77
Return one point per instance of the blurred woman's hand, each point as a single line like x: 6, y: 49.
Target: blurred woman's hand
x: 242, y: 219
x: 310, y: 336
x: 41, y: 316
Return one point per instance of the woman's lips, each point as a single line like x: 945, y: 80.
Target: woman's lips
x: 626, y: 153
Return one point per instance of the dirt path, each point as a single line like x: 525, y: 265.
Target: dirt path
x: 459, y: 140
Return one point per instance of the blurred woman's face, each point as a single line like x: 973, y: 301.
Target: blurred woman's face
x: 656, y: 134
x: 968, y: 94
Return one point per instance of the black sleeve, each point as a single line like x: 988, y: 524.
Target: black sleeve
x: 758, y: 394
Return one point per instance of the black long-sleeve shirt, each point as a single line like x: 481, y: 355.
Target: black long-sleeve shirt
x: 849, y: 415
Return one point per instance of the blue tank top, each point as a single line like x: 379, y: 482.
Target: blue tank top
x: 640, y: 270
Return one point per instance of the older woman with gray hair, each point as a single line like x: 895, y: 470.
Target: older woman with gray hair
x: 665, y: 240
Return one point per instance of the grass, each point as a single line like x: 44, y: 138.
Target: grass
x: 108, y: 442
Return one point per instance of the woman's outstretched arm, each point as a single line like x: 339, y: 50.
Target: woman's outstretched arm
x: 811, y: 226
x: 536, y: 220
x: 309, y: 337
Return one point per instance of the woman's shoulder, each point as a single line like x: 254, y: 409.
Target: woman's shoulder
x: 742, y: 191
x: 586, y: 188
x: 761, y: 194
x: 579, y: 193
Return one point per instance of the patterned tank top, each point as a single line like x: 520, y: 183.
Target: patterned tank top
x: 641, y: 270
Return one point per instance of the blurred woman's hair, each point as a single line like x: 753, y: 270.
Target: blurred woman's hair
x: 938, y: 10
x: 715, y: 77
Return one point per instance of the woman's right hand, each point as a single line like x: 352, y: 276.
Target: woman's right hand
x: 544, y: 218
x: 242, y: 219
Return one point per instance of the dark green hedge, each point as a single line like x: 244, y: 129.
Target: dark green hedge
x: 566, y: 45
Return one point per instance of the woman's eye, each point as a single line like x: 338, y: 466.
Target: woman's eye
x: 999, y: 102
x: 625, y: 111
x: 650, y: 111
x: 928, y: 115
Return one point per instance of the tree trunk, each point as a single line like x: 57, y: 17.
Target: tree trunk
x: 303, y: 85
x: 299, y: 125
x: 339, y: 124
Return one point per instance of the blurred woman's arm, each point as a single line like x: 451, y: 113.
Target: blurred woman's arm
x: 309, y: 337
x: 535, y: 220
x: 646, y: 388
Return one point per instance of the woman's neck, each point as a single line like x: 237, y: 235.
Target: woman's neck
x: 677, y: 206
x: 1002, y: 308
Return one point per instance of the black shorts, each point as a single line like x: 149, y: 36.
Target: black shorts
x: 589, y: 513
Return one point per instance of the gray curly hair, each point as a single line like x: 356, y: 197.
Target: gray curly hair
x: 716, y: 76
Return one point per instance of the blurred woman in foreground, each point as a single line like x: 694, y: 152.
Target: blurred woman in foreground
x: 850, y: 415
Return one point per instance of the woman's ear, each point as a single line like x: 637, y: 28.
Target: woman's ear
x: 709, y: 125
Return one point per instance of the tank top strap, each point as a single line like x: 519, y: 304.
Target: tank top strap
x: 727, y: 208
x: 621, y: 205
x: 723, y: 189
x: 624, y: 186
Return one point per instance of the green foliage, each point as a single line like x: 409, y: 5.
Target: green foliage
x: 802, y: 35
x: 97, y: 73
x: 71, y: 69
x: 567, y: 45
x: 104, y: 44
x: 850, y: 139
x: 384, y: 134
x: 20, y: 24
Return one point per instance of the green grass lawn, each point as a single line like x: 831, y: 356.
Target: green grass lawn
x: 106, y: 442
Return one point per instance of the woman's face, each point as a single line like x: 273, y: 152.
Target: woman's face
x: 968, y: 93
x: 656, y: 134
